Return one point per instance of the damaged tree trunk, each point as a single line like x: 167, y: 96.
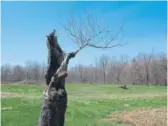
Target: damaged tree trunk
x: 55, y: 96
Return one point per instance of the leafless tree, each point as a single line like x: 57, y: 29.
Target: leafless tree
x: 111, y: 70
x: 91, y: 73
x: 18, y: 73
x: 36, y: 71
x: 6, y: 72
x: 103, y: 65
x: 163, y: 67
x: 96, y: 71
x: 133, y: 72
x: 136, y: 71
x: 42, y: 71
x: 87, y: 33
x: 81, y: 72
x: 147, y: 61
x: 123, y: 61
x: 83, y: 35
x: 155, y: 68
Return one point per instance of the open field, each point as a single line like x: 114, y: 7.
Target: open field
x: 88, y: 105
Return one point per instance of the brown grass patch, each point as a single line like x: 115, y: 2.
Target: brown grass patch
x: 140, y: 117
x: 8, y: 95
x: 126, y: 105
x: 6, y: 108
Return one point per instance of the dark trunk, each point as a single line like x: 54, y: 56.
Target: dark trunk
x: 147, y: 75
x: 165, y: 82
x: 147, y: 79
x: 54, y: 101
x: 53, y: 110
x: 104, y: 77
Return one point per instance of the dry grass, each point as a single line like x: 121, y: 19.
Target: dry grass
x: 6, y: 108
x: 8, y: 95
x: 98, y: 96
x: 140, y: 117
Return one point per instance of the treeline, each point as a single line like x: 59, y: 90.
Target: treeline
x: 143, y: 69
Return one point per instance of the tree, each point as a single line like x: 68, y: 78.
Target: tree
x: 55, y: 96
x: 6, y: 73
x: 111, y: 70
x: 163, y: 67
x: 137, y: 70
x: 147, y: 61
x: 81, y: 72
x: 133, y: 71
x: 96, y: 71
x: 18, y: 73
x: 122, y: 69
x: 103, y: 65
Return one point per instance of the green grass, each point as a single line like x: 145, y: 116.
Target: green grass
x: 87, y: 104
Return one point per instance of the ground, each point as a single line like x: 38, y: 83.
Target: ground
x: 89, y: 105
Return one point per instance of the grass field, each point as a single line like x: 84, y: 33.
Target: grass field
x: 88, y: 105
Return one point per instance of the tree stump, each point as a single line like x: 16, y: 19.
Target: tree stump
x: 54, y: 101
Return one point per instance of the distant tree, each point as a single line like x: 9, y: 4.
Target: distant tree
x: 136, y: 71
x: 6, y: 73
x: 147, y: 61
x: 18, y: 73
x: 163, y: 67
x: 103, y: 65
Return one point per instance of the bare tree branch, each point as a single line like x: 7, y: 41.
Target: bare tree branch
x: 85, y: 32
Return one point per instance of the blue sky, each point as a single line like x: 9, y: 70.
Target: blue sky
x: 25, y: 25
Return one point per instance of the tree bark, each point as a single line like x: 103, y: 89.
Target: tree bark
x: 53, y: 109
x: 104, y: 77
x: 54, y: 101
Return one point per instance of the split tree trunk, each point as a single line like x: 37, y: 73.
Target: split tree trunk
x: 53, y: 109
x: 54, y: 101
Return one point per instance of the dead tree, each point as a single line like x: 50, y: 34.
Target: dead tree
x: 147, y: 61
x: 54, y: 103
x: 55, y: 97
